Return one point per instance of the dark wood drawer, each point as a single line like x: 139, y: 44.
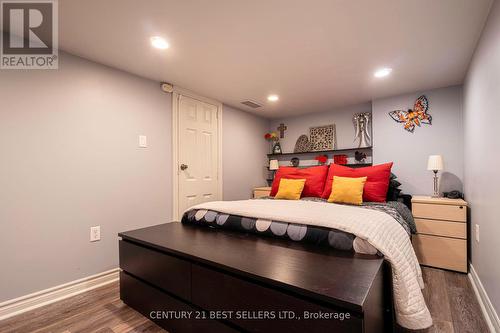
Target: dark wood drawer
x: 149, y: 300
x: 215, y: 291
x: 162, y: 270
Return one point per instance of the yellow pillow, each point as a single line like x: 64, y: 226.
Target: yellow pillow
x: 347, y: 190
x: 290, y: 189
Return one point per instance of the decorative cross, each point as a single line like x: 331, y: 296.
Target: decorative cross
x: 282, y: 128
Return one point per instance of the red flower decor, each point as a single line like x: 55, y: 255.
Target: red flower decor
x: 340, y: 159
x: 322, y: 159
x: 272, y: 136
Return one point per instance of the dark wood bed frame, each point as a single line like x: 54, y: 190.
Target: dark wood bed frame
x: 195, y: 279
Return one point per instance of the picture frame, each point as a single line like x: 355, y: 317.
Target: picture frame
x: 322, y: 137
x: 277, y: 148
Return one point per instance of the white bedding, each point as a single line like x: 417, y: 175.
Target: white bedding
x: 377, y: 228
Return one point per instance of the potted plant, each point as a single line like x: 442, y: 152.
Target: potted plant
x: 273, y: 138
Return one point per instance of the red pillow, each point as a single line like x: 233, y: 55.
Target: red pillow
x: 377, y: 182
x: 315, y: 179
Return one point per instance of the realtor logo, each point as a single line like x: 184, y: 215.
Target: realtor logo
x: 29, y: 35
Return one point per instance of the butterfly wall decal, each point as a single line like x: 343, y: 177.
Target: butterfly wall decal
x: 413, y: 117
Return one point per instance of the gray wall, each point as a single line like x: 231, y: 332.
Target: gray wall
x: 481, y: 136
x: 342, y: 118
x: 298, y: 125
x: 244, y: 158
x: 69, y: 160
x: 409, y: 151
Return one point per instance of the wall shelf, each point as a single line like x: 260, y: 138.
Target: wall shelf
x: 320, y: 152
x: 350, y: 165
x: 285, y: 156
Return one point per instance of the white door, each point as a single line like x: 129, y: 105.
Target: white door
x: 198, y: 155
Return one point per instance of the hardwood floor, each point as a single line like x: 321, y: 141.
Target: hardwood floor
x: 99, y: 310
x: 449, y: 296
x: 452, y: 303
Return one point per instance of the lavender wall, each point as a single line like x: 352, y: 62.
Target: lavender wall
x: 409, y: 151
x: 342, y: 118
x: 482, y: 147
x: 244, y: 158
x: 69, y: 160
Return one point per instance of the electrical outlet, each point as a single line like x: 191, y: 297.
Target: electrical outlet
x: 95, y: 233
x: 143, y: 141
x: 477, y: 233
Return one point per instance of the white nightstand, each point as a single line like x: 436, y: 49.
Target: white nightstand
x: 259, y: 192
x: 441, y: 239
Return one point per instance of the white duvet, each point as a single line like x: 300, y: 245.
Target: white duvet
x: 377, y: 228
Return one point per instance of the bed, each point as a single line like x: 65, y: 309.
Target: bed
x: 278, y: 257
x: 314, y: 234
x: 216, y: 264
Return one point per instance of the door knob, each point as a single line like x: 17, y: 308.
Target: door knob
x: 183, y: 167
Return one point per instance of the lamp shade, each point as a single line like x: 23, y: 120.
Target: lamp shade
x: 274, y: 165
x: 435, y: 162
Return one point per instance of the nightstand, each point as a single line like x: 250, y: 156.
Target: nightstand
x: 259, y: 192
x: 441, y: 239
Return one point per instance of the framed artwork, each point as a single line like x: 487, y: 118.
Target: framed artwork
x: 322, y: 138
x: 277, y: 148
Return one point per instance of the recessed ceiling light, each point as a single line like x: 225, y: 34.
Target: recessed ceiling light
x: 159, y: 43
x: 273, y: 98
x: 382, y: 72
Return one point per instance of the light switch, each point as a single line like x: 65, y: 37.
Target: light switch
x: 143, y: 141
x: 95, y: 233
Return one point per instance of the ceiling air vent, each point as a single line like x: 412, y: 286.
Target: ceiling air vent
x: 251, y: 104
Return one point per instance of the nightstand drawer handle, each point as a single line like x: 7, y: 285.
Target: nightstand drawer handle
x: 461, y: 207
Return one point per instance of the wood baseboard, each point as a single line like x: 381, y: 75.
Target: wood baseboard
x: 487, y: 308
x: 35, y: 300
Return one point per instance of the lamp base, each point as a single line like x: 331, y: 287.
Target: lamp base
x: 436, y: 188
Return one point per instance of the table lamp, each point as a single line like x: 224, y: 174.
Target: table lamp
x: 273, y: 165
x: 435, y: 164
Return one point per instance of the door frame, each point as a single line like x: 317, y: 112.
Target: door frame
x: 177, y: 92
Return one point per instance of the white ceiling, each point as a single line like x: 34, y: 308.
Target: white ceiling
x: 316, y: 55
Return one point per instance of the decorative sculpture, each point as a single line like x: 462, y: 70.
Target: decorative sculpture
x: 340, y: 159
x: 413, y: 117
x: 322, y: 159
x: 363, y: 128
x: 359, y: 156
x: 302, y: 145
